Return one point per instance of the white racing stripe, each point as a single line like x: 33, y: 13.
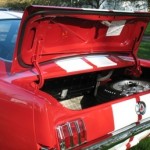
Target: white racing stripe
x: 124, y: 113
x: 78, y: 64
x: 73, y: 64
x: 100, y: 61
x: 126, y: 58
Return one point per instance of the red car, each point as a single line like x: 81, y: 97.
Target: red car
x: 72, y: 79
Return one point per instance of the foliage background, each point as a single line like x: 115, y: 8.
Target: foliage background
x: 21, y: 4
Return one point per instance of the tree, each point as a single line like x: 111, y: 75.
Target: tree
x: 102, y: 4
x: 95, y: 3
x: 86, y: 3
x: 47, y: 2
x: 18, y: 4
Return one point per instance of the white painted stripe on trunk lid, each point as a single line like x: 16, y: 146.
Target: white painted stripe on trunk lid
x: 100, y: 61
x: 73, y: 64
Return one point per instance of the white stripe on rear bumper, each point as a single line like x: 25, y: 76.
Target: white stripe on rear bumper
x: 124, y: 113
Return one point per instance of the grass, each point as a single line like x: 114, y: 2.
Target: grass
x: 144, y: 52
x: 143, y: 145
x: 147, y: 32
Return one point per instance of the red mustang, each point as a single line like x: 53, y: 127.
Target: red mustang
x: 71, y: 79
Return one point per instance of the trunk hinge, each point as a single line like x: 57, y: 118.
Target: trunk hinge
x: 136, y: 70
x: 35, y: 62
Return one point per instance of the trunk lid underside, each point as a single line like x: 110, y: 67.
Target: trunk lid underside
x: 48, y: 33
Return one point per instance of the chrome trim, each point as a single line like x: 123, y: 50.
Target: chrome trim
x: 79, y: 131
x: 69, y: 128
x: 114, y: 140
x: 62, y: 143
x: 140, y: 108
x: 70, y: 133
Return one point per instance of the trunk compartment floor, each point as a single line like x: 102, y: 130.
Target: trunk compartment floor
x: 73, y: 103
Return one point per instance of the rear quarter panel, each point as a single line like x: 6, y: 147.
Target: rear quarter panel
x: 16, y: 118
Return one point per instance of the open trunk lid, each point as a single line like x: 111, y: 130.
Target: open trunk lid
x: 48, y: 33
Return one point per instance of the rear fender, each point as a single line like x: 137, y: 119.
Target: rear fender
x: 144, y: 63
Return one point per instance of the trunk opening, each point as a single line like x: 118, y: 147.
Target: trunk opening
x: 82, y: 91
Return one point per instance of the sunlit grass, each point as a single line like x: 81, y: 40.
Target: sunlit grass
x: 144, y: 50
x: 147, y: 32
x: 143, y: 145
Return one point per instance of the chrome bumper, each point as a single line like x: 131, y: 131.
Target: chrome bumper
x: 118, y: 138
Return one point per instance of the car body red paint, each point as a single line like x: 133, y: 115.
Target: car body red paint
x: 58, y: 43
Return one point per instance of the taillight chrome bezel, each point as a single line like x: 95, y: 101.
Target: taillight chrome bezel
x: 76, y: 133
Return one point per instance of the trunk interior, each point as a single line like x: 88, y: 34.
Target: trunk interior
x: 82, y: 91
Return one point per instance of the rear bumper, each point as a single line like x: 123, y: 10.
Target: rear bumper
x: 120, y: 137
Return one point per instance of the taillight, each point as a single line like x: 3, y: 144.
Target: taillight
x: 71, y: 134
x: 82, y: 131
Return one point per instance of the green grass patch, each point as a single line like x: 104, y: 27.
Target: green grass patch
x: 143, y: 145
x: 147, y: 32
x: 144, y: 50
